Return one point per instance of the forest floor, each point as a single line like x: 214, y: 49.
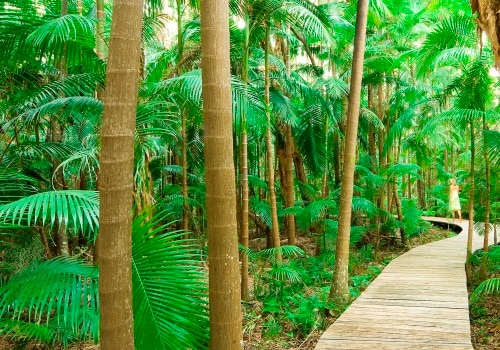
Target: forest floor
x: 485, y: 314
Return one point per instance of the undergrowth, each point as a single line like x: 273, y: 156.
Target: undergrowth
x: 290, y: 306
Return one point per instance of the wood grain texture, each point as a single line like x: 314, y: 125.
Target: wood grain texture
x: 419, y: 301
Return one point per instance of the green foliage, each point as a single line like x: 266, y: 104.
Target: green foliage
x: 412, y: 219
x: 490, y: 286
x: 54, y: 301
x: 169, y: 288
x: 78, y: 210
x: 21, y: 248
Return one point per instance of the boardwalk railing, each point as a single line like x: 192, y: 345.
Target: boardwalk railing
x: 419, y: 301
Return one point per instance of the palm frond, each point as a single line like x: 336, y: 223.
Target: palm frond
x: 412, y: 218
x: 490, y: 286
x: 169, y: 287
x: 401, y: 169
x: 14, y: 184
x: 356, y: 234
x: 262, y: 210
x: 492, y: 145
x: 286, y: 251
x: 57, y: 299
x: 59, y: 34
x: 364, y: 205
x: 453, y: 32
x: 64, y: 106
x: 74, y: 208
x: 371, y: 118
x: 285, y: 273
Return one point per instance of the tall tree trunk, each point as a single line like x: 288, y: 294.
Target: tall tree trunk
x: 336, y: 158
x: 116, y: 177
x: 339, y: 290
x: 224, y: 275
x: 487, y: 206
x: 289, y: 193
x: 57, y: 136
x: 399, y: 210
x: 245, y: 294
x: 101, y: 19
x: 301, y: 176
x: 470, y: 232
x: 185, y: 205
x: 275, y: 233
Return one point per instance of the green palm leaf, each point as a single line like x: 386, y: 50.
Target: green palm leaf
x: 492, y: 144
x: 14, y: 184
x: 56, y: 300
x: 490, y: 286
x: 169, y: 287
x: 77, y: 209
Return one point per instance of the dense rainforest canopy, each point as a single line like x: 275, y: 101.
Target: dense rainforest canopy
x: 428, y: 113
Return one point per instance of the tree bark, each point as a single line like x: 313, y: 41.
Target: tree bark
x: 487, y: 206
x: 116, y: 177
x: 470, y: 232
x: 185, y: 205
x: 275, y: 233
x: 339, y: 290
x: 224, y: 276
x: 244, y: 235
x: 289, y: 193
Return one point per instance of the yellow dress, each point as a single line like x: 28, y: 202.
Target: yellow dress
x: 454, y: 200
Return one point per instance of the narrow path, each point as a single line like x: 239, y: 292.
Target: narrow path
x: 419, y: 301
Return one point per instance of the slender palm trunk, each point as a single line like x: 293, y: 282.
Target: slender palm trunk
x: 224, y: 275
x: 116, y: 177
x: 487, y: 206
x: 185, y: 205
x: 57, y: 136
x: 470, y: 232
x: 244, y: 236
x: 399, y: 211
x: 339, y: 289
x: 101, y: 19
x: 336, y: 158
x: 275, y: 233
x: 289, y: 193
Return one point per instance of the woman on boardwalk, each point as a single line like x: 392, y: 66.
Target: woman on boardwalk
x: 455, y: 200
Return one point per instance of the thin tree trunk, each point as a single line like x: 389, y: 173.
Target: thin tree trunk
x: 185, y: 205
x: 470, y: 232
x: 339, y: 290
x: 57, y: 136
x: 399, y: 212
x: 101, y: 19
x: 224, y: 275
x: 336, y: 158
x: 275, y: 233
x: 244, y: 236
x: 116, y: 177
x: 487, y: 206
x: 301, y: 175
x: 289, y: 193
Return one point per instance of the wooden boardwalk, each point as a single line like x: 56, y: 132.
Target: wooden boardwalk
x: 419, y: 301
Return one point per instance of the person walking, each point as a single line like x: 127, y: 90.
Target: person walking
x: 455, y: 199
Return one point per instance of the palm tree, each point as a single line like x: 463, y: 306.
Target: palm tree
x: 224, y: 280
x: 116, y: 176
x: 339, y: 289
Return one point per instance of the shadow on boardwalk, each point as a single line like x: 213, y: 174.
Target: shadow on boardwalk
x: 419, y: 301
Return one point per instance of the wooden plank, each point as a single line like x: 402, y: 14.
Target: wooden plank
x: 419, y: 301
